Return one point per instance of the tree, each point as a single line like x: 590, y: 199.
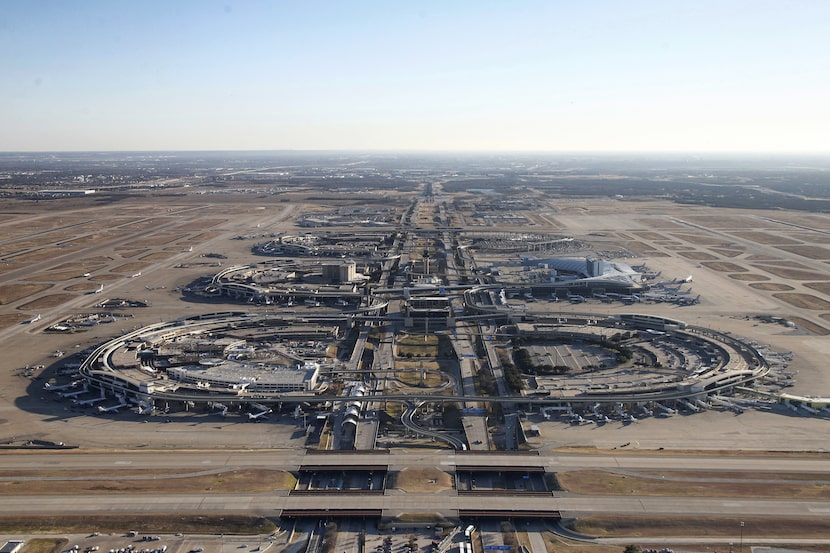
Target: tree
x: 631, y: 548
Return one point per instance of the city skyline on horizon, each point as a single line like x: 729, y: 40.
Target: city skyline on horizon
x: 736, y: 77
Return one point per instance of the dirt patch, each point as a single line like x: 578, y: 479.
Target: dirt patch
x: 771, y: 286
x: 415, y: 480
x: 46, y: 302
x: 698, y: 256
x: 793, y: 274
x: 748, y: 276
x: 803, y: 301
x: 810, y: 252
x: 13, y: 292
x: 765, y: 238
x: 724, y: 267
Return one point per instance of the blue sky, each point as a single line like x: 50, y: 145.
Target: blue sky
x: 581, y: 75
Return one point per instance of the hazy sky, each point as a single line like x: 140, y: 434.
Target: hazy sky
x: 663, y: 75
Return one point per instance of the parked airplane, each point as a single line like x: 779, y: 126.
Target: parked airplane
x: 76, y: 393
x: 262, y: 415
x: 56, y: 388
x: 576, y: 298
x: 688, y: 301
x: 99, y: 289
x: 34, y: 319
x: 92, y: 401
x: 112, y: 408
x: 138, y: 274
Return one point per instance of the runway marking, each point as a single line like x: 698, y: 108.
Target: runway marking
x: 123, y: 462
x: 819, y: 510
x: 733, y: 504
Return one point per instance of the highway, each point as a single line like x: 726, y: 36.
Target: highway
x: 393, y: 502
x: 292, y: 459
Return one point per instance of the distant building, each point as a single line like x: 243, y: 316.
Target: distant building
x: 345, y: 271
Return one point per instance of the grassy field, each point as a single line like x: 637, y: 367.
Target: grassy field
x: 100, y: 482
x: 689, y: 484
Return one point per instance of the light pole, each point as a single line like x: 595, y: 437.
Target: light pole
x: 741, y: 543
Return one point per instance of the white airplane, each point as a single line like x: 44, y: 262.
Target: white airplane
x: 99, y: 289
x: 138, y: 274
x: 76, y: 393
x: 92, y: 401
x: 262, y: 415
x: 86, y: 275
x: 111, y: 409
x: 34, y: 319
x: 56, y: 388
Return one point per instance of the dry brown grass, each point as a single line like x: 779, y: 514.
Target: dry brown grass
x: 803, y: 301
x: 810, y: 252
x: 46, y: 302
x: 715, y: 527
x: 822, y: 287
x: 771, y: 286
x: 788, y: 272
x: 724, y: 267
x: 727, y: 253
x: 162, y: 524
x: 697, y: 256
x: 129, y: 268
x: 11, y: 319
x: 419, y: 480
x: 103, y: 482
x: 809, y: 326
x: 672, y: 484
x: 13, y: 292
x: 748, y: 276
x: 44, y: 545
x: 765, y: 238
